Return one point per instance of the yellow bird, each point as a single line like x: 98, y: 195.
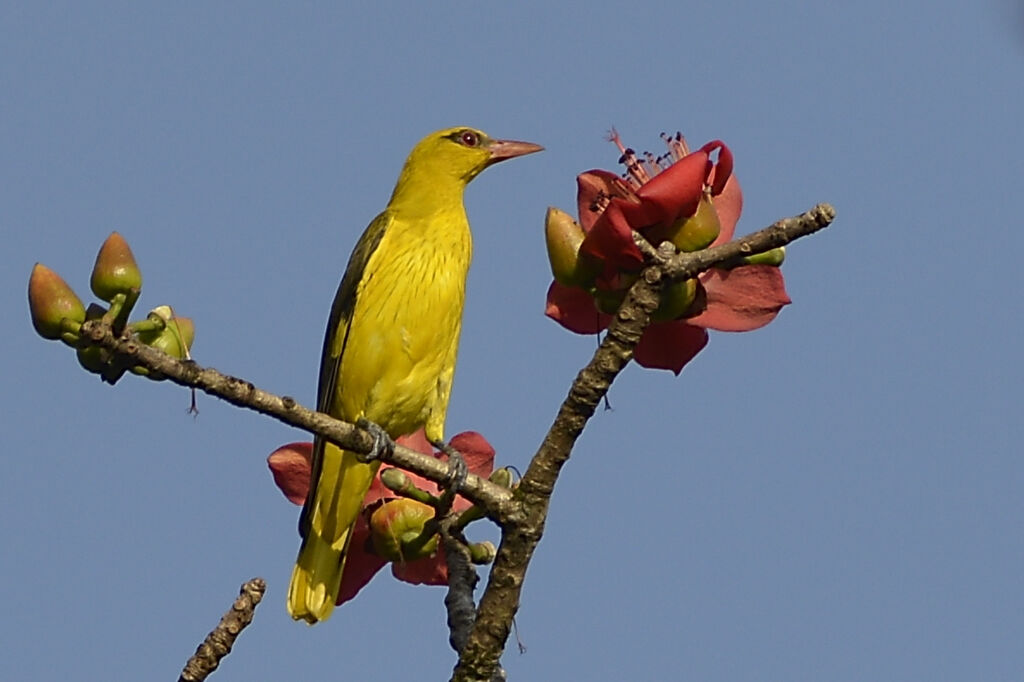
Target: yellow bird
x: 392, y: 337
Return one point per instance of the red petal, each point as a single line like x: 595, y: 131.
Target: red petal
x: 290, y: 465
x: 574, y: 309
x: 430, y: 571
x: 478, y: 453
x: 723, y: 168
x: 611, y: 238
x: 360, y: 565
x: 672, y: 193
x: 416, y: 441
x: 741, y: 299
x: 475, y: 449
x: 728, y: 205
x: 670, y: 345
x: 589, y: 187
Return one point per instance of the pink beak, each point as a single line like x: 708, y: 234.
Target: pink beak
x: 509, y: 149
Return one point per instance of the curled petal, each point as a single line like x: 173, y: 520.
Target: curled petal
x: 574, y: 309
x: 592, y: 187
x: 670, y: 345
x: 611, y: 238
x: 723, y: 169
x: 741, y: 299
x: 672, y: 193
x: 728, y: 205
x: 290, y: 466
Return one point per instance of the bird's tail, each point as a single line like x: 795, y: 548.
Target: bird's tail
x: 337, y: 499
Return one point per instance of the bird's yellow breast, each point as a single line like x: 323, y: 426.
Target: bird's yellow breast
x: 403, y: 335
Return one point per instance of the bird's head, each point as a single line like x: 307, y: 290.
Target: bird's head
x: 462, y: 153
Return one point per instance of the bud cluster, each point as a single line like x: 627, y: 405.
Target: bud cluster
x: 58, y: 313
x: 404, y: 528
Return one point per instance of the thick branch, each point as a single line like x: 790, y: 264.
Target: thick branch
x: 218, y: 643
x: 490, y: 497
x: 523, y: 529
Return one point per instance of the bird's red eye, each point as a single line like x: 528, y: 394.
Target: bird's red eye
x: 470, y: 139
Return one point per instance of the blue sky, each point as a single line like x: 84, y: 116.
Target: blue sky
x: 836, y: 496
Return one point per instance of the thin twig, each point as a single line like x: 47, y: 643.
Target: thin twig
x: 218, y: 643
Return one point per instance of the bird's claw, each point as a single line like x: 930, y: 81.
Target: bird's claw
x: 458, y: 470
x: 383, y: 445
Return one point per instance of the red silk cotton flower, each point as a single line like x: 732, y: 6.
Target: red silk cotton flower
x: 683, y: 197
x: 290, y: 466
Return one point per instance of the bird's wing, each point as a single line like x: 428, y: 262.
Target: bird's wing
x: 334, y: 343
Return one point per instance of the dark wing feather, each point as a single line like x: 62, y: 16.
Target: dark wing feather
x: 334, y: 343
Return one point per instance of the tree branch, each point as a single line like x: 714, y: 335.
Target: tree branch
x: 525, y: 525
x: 490, y: 497
x: 520, y: 513
x: 218, y: 643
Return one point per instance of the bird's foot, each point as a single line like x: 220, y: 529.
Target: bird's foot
x: 458, y: 470
x: 383, y: 445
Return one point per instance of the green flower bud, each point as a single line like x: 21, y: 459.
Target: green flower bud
x: 482, y: 552
x: 502, y: 477
x: 564, y: 236
x: 676, y: 299
x: 697, y: 231
x: 774, y: 257
x: 396, y: 528
x: 175, y: 338
x: 51, y: 301
x: 608, y: 301
x: 395, y: 479
x: 116, y: 271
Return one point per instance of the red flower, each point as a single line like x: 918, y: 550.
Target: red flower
x: 682, y: 197
x: 290, y: 466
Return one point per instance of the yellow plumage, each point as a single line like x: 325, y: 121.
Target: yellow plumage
x: 391, y: 342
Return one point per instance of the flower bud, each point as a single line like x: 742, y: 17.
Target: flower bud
x: 502, y: 477
x: 186, y: 332
x: 774, y: 257
x: 564, y: 236
x: 676, y: 299
x: 396, y: 528
x: 116, y: 271
x: 395, y: 479
x: 175, y: 338
x: 172, y: 340
x: 50, y: 301
x: 699, y: 230
x: 608, y: 302
x: 481, y: 553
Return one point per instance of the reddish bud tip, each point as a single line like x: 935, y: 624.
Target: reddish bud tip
x: 116, y: 271
x: 397, y: 528
x: 51, y: 301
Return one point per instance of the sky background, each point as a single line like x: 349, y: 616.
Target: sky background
x: 837, y: 496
